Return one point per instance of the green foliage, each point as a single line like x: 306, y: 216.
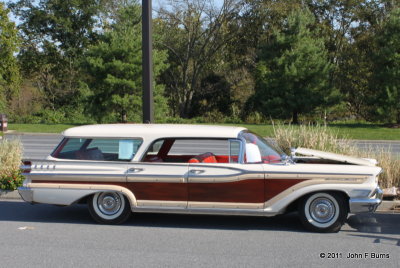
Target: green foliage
x: 11, y: 182
x: 293, y: 70
x: 9, y: 70
x: 114, y: 71
x: 55, y: 33
x: 81, y: 63
x: 387, y: 69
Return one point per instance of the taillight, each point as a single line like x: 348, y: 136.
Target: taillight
x: 26, y: 167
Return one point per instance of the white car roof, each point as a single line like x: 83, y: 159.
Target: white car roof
x: 153, y: 131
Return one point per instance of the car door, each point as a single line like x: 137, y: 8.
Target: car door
x: 159, y: 185
x: 230, y: 185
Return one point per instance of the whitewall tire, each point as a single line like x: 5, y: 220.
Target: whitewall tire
x: 109, y: 207
x: 323, y: 212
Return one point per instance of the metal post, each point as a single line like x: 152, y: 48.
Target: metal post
x: 147, y: 62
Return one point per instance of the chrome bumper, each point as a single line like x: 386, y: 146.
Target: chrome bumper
x: 359, y: 205
x: 26, y: 194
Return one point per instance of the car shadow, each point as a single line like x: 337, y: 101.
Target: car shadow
x: 375, y: 223
x: 379, y: 223
x: 79, y: 214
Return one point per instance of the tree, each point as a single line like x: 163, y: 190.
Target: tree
x: 387, y: 69
x: 195, y: 33
x: 55, y: 34
x: 9, y: 70
x: 114, y: 71
x: 293, y: 70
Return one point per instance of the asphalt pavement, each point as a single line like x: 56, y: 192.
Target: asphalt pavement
x: 51, y: 236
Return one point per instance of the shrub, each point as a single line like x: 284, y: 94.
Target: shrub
x: 10, y: 161
x: 321, y: 138
x: 11, y: 182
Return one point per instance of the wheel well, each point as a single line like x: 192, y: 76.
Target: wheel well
x: 293, y: 205
x: 84, y: 199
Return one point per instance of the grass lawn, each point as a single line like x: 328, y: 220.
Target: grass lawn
x: 351, y: 131
x: 39, y: 128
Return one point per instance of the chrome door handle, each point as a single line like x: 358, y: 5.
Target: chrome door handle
x: 197, y: 171
x: 135, y: 169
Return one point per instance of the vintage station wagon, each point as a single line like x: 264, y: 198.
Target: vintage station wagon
x: 123, y: 168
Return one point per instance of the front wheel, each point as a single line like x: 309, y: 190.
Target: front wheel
x: 323, y: 212
x: 109, y: 207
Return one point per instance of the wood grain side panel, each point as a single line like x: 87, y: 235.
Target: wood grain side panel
x: 273, y: 187
x: 246, y: 191
x: 159, y: 191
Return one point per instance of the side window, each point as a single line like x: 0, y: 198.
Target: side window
x: 193, y: 151
x: 98, y: 149
x: 154, y: 149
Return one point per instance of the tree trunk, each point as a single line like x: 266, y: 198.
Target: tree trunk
x: 295, y: 118
x: 123, y: 117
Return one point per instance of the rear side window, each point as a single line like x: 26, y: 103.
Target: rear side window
x: 97, y: 149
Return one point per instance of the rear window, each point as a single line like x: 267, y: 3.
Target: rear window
x: 97, y: 149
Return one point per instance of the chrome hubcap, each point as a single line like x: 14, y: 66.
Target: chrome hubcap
x: 322, y: 210
x: 109, y: 203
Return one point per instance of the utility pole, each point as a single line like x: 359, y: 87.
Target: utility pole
x: 147, y: 63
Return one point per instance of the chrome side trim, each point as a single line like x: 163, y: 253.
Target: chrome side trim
x: 198, y: 205
x: 207, y: 211
x: 155, y: 178
x: 161, y: 203
x: 78, y: 177
x: 225, y: 179
x: 360, y: 205
x: 313, y: 174
x: 225, y: 205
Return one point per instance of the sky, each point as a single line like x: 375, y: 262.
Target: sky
x: 156, y: 4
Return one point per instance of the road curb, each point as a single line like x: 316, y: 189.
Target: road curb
x: 389, y: 206
x: 4, y: 195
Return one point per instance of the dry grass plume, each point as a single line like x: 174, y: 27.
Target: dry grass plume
x: 321, y: 138
x: 10, y: 156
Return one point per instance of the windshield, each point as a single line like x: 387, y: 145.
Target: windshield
x: 258, y: 150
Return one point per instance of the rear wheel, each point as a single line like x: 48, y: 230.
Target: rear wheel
x: 323, y: 212
x: 109, y: 207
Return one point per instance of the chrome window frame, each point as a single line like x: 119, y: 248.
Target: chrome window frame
x: 241, y: 151
x: 243, y: 142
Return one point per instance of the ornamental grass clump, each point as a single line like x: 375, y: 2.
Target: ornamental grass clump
x: 10, y: 161
x: 321, y: 138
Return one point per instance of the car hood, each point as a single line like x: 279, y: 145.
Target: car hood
x: 336, y: 157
